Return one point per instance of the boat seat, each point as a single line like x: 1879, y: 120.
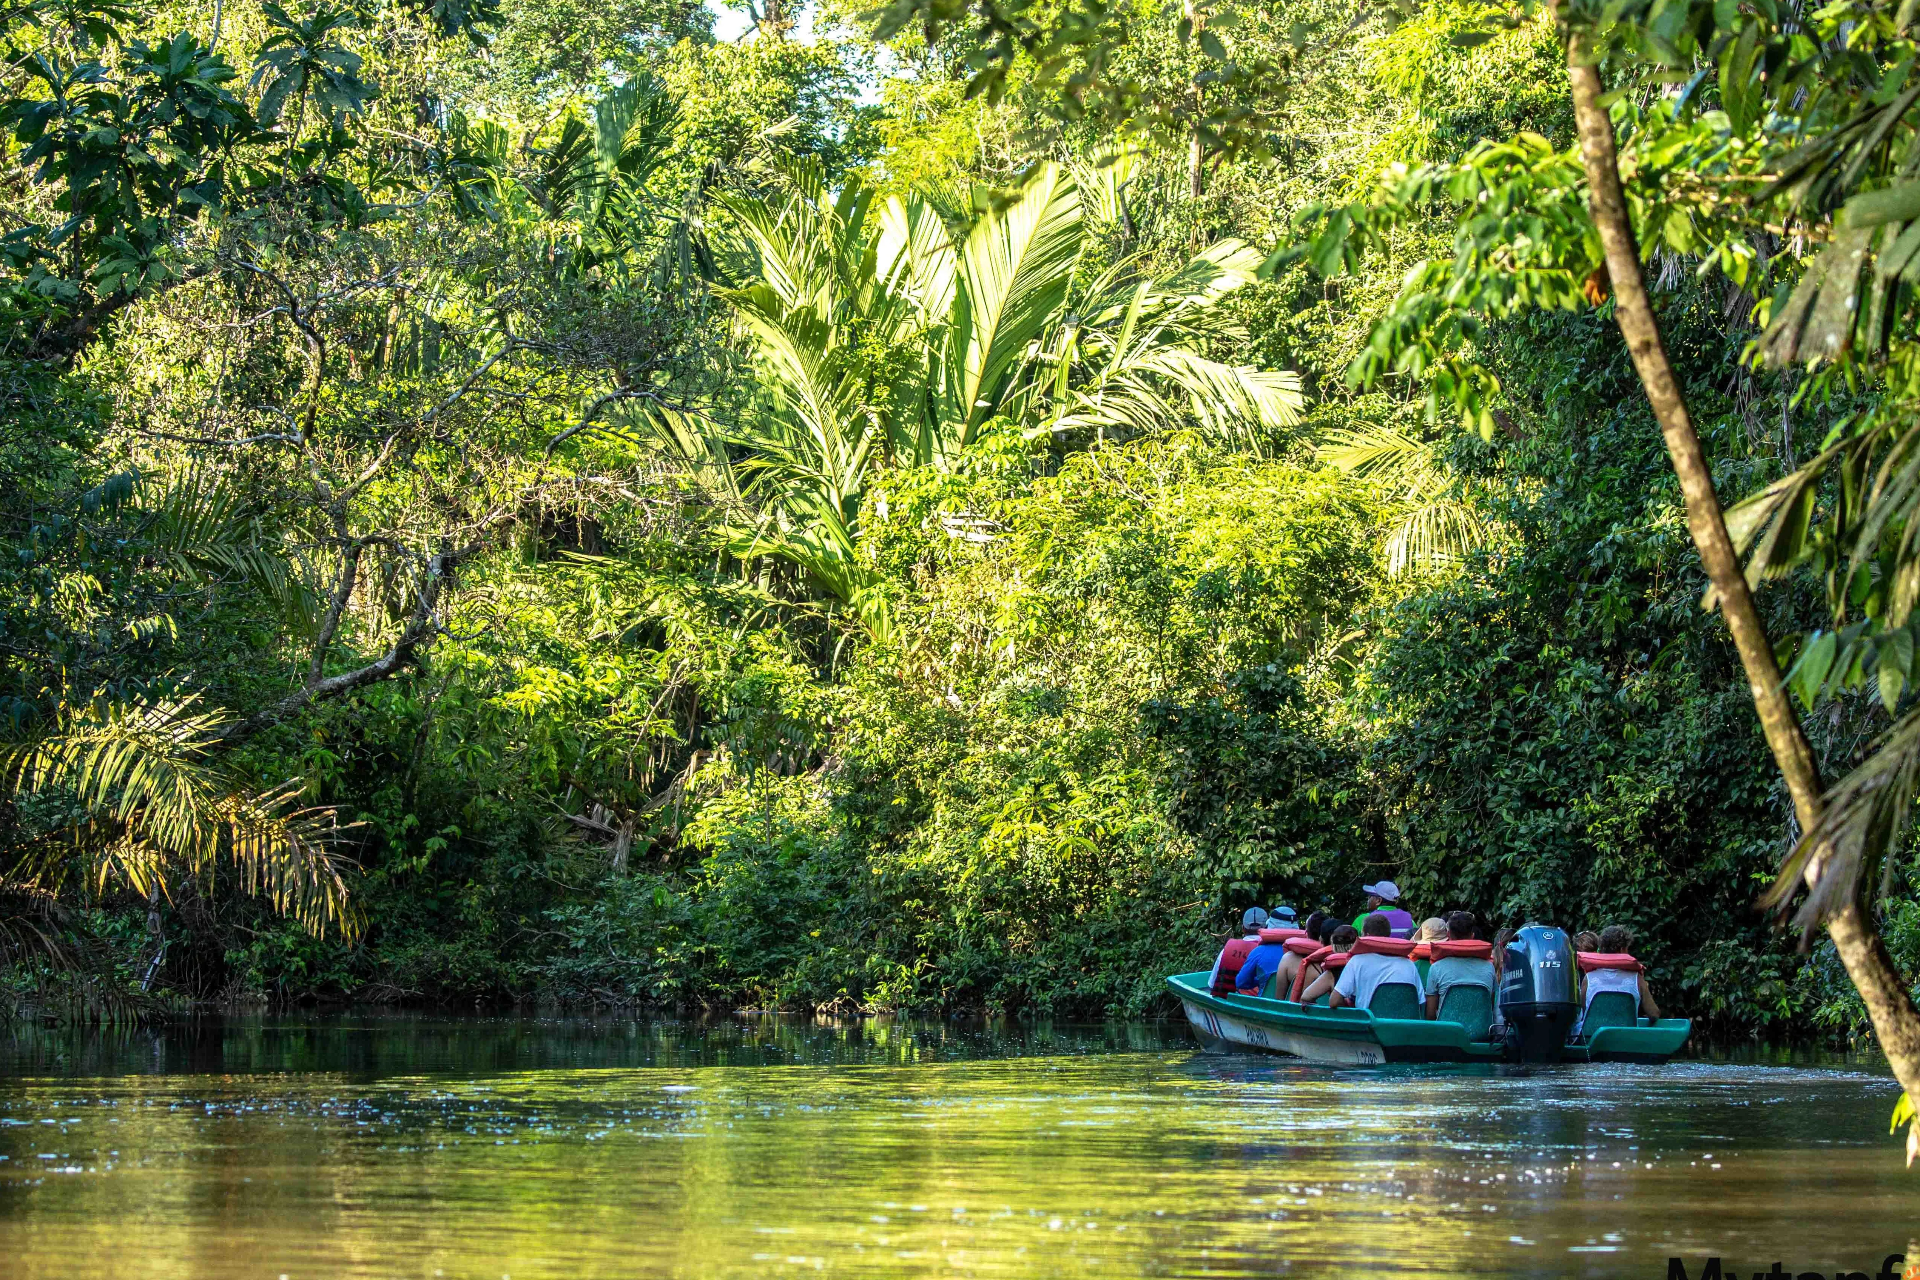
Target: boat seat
x: 1469, y: 1005
x: 1610, y: 1009
x: 1395, y: 1000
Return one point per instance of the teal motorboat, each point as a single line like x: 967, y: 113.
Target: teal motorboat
x: 1537, y: 1016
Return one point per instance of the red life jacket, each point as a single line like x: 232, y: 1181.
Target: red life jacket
x: 1302, y: 945
x: 1591, y: 960
x: 1466, y: 949
x: 1421, y: 951
x: 1383, y: 947
x: 1325, y: 958
x: 1232, y: 956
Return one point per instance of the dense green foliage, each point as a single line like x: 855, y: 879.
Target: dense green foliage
x: 649, y: 522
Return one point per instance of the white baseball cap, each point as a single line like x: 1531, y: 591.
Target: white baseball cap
x: 1386, y: 890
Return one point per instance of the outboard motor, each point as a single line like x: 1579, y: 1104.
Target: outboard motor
x: 1538, y: 995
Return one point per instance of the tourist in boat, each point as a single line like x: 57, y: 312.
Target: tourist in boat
x: 1616, y: 943
x: 1297, y: 952
x: 1457, y: 970
x: 1264, y: 960
x: 1584, y: 942
x: 1324, y: 931
x: 1431, y: 931
x: 1353, y: 985
x: 1316, y: 980
x: 1384, y: 899
x: 1500, y: 941
x: 1367, y: 971
x: 1226, y: 965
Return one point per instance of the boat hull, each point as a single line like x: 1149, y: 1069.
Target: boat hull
x: 1354, y: 1037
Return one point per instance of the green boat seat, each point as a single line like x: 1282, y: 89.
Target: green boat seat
x: 1395, y: 1000
x: 1610, y: 1009
x: 1469, y: 1005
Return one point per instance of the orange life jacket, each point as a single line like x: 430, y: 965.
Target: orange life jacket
x: 1591, y: 960
x: 1466, y: 949
x: 1281, y: 934
x: 1383, y: 947
x: 1326, y: 958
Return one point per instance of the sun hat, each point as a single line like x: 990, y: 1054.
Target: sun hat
x: 1283, y: 913
x: 1386, y: 890
x: 1253, y: 918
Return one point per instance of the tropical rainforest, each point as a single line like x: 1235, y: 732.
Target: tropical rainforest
x: 639, y: 505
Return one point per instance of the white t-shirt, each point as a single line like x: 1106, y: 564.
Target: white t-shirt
x: 1365, y: 972
x: 1613, y: 980
x: 1458, y: 971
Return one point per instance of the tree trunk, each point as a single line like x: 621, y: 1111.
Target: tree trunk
x: 1195, y: 152
x: 1894, y: 1019
x: 622, y: 844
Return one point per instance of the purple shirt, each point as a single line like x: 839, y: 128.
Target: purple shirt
x: 1398, y: 921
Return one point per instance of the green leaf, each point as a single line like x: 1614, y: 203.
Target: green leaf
x: 1898, y: 203
x: 1809, y: 674
x: 1895, y: 665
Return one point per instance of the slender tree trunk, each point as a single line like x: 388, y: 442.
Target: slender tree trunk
x: 623, y: 844
x: 1195, y: 153
x: 1868, y: 964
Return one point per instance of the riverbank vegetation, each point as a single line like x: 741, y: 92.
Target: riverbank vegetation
x: 540, y: 503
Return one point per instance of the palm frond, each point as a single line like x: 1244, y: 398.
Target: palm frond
x: 1147, y: 387
x: 693, y: 443
x: 915, y: 255
x: 1015, y: 270
x: 1435, y: 529
x: 1228, y: 399
x: 153, y: 802
x: 563, y: 172
x: 1381, y: 453
x: 1867, y: 814
x: 1433, y: 535
x: 199, y: 526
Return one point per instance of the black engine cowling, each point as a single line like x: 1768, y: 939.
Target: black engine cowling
x: 1538, y: 993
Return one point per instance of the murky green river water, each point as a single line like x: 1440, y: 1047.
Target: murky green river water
x: 525, y: 1149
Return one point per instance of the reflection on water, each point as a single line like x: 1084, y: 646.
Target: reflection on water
x: 526, y: 1149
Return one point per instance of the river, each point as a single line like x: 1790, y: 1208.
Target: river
x: 527, y: 1149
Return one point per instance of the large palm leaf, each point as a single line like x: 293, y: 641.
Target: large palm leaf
x: 916, y: 257
x: 1016, y: 267
x: 151, y: 804
x: 1135, y: 361
x: 1434, y: 528
x: 197, y: 524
